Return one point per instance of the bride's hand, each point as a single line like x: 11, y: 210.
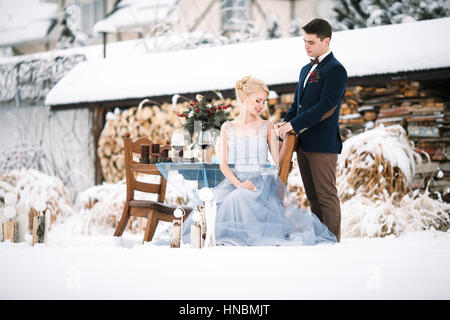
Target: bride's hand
x: 279, y: 125
x: 247, y: 184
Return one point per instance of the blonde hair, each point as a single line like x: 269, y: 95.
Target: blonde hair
x: 248, y: 85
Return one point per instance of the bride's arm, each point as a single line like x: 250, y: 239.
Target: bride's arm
x: 274, y: 144
x: 224, y: 158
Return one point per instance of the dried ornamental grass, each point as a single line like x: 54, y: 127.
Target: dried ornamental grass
x: 101, y: 208
x: 366, y: 217
x: 374, y: 173
x: 378, y: 160
x: 31, y: 186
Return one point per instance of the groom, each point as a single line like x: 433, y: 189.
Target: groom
x: 314, y: 116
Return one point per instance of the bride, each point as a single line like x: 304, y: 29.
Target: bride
x: 250, y: 208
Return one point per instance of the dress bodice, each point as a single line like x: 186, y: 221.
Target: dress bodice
x: 247, y: 148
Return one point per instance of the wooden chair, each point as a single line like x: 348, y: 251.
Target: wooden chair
x: 154, y: 211
x: 287, y: 150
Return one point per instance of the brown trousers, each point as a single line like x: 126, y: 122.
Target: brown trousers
x: 318, y: 171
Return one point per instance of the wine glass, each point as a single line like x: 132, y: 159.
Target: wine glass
x: 205, y: 139
x: 177, y: 144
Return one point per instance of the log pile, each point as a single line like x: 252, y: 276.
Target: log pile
x: 155, y: 122
x: 419, y: 110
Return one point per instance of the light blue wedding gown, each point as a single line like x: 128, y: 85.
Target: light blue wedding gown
x: 251, y: 218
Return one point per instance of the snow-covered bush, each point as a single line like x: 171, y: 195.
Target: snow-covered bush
x: 32, y: 186
x: 101, y: 206
x: 378, y: 160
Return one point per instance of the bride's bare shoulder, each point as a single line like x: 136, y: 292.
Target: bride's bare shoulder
x: 268, y: 123
x: 225, y: 125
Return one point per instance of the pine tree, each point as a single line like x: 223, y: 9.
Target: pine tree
x: 71, y: 36
x: 350, y: 14
x: 354, y: 14
x: 272, y: 28
x: 295, y: 27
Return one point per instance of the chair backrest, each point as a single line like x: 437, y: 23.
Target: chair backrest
x: 287, y: 150
x: 132, y: 167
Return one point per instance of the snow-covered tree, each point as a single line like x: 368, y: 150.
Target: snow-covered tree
x: 354, y: 14
x: 71, y: 35
x: 295, y: 27
x: 272, y: 28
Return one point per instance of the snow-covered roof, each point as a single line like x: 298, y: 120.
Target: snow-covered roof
x: 377, y: 50
x: 25, y: 20
x: 132, y: 14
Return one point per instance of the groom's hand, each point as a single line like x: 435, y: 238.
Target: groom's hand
x: 284, y: 130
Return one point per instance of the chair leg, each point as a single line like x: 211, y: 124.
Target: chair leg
x: 150, y: 228
x: 123, y: 221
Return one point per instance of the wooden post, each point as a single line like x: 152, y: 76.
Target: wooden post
x: 196, y: 235
x: 38, y: 229
x: 10, y: 231
x: 98, y: 122
x: 201, y: 209
x: 104, y: 43
x: 176, y: 234
x: 34, y: 233
x: 40, y: 232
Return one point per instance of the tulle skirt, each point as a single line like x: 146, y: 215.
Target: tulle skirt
x: 252, y: 218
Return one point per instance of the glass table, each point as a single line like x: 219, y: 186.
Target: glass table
x: 203, y: 175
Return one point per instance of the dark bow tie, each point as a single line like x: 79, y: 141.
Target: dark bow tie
x: 314, y: 61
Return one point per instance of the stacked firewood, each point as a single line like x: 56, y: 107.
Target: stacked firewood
x: 408, y: 103
x: 156, y: 122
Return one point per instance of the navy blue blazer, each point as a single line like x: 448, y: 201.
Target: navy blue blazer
x: 316, y: 107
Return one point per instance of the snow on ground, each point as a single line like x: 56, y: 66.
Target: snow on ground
x: 71, y: 266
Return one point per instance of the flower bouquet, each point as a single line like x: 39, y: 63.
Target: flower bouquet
x: 211, y: 117
x: 203, y: 123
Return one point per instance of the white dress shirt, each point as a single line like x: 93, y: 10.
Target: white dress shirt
x: 315, y: 65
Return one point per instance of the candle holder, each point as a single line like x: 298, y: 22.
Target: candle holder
x: 145, y: 149
x: 196, y: 234
x: 155, y: 148
x: 164, y: 155
x: 10, y: 228
x: 177, y: 153
x: 177, y: 227
x: 207, y: 196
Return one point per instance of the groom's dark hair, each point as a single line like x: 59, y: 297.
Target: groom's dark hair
x: 319, y: 27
